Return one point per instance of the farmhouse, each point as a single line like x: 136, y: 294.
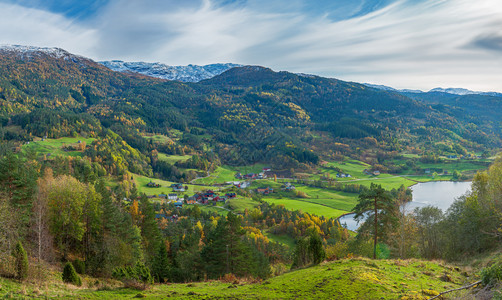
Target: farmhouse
x: 265, y: 191
x: 262, y: 175
x: 153, y: 184
x: 288, y: 187
x: 172, y: 197
x: 178, y: 187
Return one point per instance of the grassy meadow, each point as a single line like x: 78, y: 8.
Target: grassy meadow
x: 356, y: 278
x: 54, y: 147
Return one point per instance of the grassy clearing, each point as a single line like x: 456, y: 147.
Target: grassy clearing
x: 159, y: 138
x: 319, y: 201
x: 222, y: 174
x: 54, y: 146
x: 282, y: 239
x: 227, y: 173
x: 344, y: 279
x: 240, y: 204
x: 172, y: 159
x: 214, y: 209
x: 387, y: 181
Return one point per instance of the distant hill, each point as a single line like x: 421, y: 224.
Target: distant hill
x: 190, y: 73
x: 452, y: 91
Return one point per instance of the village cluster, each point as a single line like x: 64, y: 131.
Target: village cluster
x: 211, y: 197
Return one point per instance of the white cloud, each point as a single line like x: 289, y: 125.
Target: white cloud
x: 26, y: 26
x: 406, y: 45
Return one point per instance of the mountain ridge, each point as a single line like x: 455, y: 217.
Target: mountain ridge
x: 189, y: 73
x: 277, y: 111
x: 452, y: 91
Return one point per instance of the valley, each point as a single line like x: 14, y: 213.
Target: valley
x: 231, y: 184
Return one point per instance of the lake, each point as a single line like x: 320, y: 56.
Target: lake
x: 438, y: 193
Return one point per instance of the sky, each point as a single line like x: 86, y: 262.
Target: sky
x: 415, y: 44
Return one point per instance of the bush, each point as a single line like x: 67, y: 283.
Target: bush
x: 132, y: 276
x: 491, y: 275
x: 21, y: 260
x: 337, y: 251
x: 70, y: 275
x: 79, y: 266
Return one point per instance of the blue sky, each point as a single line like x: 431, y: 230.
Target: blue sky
x: 419, y: 44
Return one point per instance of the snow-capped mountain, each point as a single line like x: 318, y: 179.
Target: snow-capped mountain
x: 26, y: 52
x: 453, y: 91
x: 463, y: 92
x: 190, y: 73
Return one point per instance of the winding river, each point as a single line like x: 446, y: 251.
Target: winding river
x: 438, y: 193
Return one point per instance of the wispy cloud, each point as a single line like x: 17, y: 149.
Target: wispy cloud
x: 402, y: 43
x: 35, y: 27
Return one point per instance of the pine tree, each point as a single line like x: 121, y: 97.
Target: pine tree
x: 161, y: 265
x: 21, y: 259
x: 381, y: 210
x: 316, y: 248
x: 302, y: 255
x: 149, y: 228
x: 70, y: 275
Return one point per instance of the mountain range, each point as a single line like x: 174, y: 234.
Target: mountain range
x: 242, y: 115
x: 453, y: 91
x: 190, y: 73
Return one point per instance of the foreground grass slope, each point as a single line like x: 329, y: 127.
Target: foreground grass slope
x: 345, y: 279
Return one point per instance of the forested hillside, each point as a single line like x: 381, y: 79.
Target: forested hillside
x: 138, y: 180
x: 288, y: 115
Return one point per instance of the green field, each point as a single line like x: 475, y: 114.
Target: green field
x: 343, y: 279
x: 54, y: 146
x: 226, y: 173
x: 159, y: 138
x: 141, y: 182
x: 282, y: 239
x: 331, y: 203
x: 214, y: 209
x: 172, y: 159
x: 305, y: 206
x: 240, y: 204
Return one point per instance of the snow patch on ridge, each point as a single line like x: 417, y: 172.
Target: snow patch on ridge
x: 190, y: 73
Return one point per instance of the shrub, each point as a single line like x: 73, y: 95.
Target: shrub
x: 337, y: 251
x: 491, y: 275
x: 70, y: 275
x: 21, y: 261
x: 229, y: 278
x: 79, y: 266
x: 132, y: 276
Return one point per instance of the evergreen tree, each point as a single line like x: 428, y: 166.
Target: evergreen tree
x: 316, y: 248
x: 21, y: 259
x: 149, y: 228
x: 302, y: 255
x: 160, y: 264
x: 376, y: 202
x: 225, y: 252
x: 70, y: 275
